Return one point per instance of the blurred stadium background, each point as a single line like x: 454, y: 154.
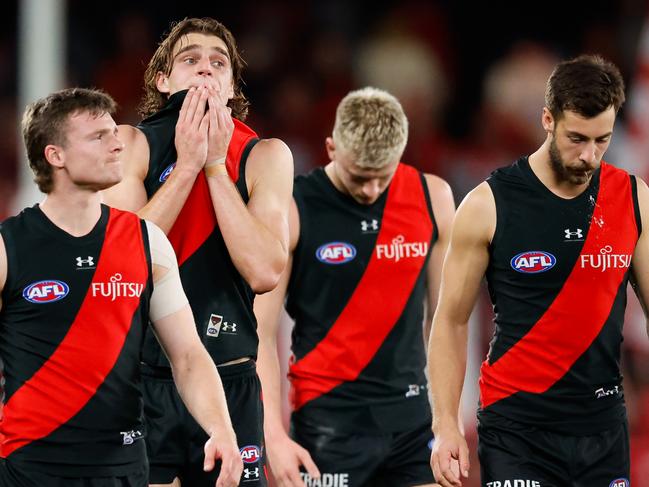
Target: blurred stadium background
x: 471, y: 78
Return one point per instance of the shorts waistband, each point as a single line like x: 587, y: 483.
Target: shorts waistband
x: 248, y: 367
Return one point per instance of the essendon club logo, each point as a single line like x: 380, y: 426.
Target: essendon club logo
x: 533, y: 262
x: 250, y: 454
x: 46, y: 291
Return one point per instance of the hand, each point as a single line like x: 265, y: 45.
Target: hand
x: 221, y: 126
x: 285, y: 457
x: 449, y: 457
x: 218, y: 447
x: 191, y: 131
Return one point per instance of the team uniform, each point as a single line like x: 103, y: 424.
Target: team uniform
x: 356, y: 293
x: 551, y: 400
x: 222, y: 304
x: 73, y: 318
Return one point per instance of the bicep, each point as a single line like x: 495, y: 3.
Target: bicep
x: 468, y: 256
x: 444, y: 211
x: 270, y: 176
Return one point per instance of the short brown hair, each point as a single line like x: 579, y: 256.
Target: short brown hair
x: 162, y: 62
x: 44, y: 123
x: 587, y: 85
x: 372, y: 127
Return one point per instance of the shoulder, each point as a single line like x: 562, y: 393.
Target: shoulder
x: 271, y: 152
x: 437, y: 187
x: 135, y: 158
x: 271, y: 163
x: 477, y: 212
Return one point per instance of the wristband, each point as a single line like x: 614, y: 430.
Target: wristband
x: 215, y: 170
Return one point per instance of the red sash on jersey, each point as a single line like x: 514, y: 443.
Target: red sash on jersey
x: 377, y: 302
x: 88, y: 352
x: 197, y: 219
x: 580, y: 310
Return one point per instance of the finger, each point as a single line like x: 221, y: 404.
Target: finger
x: 184, y: 108
x: 309, y: 464
x: 199, y: 110
x: 437, y: 471
x: 464, y: 461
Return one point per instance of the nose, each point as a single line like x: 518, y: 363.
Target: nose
x: 118, y: 145
x: 371, y: 189
x: 204, y: 66
x: 589, y: 152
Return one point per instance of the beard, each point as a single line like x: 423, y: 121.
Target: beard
x: 576, y: 176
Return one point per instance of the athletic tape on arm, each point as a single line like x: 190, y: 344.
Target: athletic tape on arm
x: 168, y: 295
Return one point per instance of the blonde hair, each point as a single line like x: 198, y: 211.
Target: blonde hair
x: 372, y: 127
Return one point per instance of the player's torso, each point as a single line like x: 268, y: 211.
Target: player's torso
x: 557, y: 278
x: 73, y: 318
x: 220, y: 298
x: 356, y: 293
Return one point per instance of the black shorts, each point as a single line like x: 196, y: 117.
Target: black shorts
x: 367, y: 460
x: 12, y: 476
x: 175, y: 441
x: 515, y: 454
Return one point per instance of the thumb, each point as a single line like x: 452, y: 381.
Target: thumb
x: 210, y: 453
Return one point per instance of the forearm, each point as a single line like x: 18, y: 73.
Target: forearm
x: 446, y: 369
x: 269, y: 372
x: 164, y: 207
x: 257, y: 253
x: 200, y: 388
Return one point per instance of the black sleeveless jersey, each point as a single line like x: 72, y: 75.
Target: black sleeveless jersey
x: 356, y: 293
x: 74, y: 310
x: 557, y: 277
x: 220, y: 298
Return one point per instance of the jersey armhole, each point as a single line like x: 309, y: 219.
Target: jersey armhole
x: 429, y: 206
x: 636, y: 205
x: 9, y: 245
x: 500, y: 217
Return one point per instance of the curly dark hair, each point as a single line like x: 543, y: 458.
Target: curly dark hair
x: 162, y: 62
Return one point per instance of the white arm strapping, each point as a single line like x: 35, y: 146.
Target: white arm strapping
x: 168, y: 295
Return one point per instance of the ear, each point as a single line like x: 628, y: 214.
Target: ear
x: 547, y: 120
x: 162, y: 82
x: 55, y: 155
x: 331, y: 148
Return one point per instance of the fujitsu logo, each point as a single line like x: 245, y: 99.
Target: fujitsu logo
x: 400, y: 249
x: 117, y: 289
x: 606, y: 259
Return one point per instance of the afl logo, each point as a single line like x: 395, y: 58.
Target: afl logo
x: 621, y: 482
x: 165, y: 174
x: 250, y: 454
x: 46, y: 291
x: 533, y: 262
x: 335, y: 253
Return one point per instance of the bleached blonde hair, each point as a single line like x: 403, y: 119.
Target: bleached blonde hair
x: 372, y: 127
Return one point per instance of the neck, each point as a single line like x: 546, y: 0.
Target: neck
x: 76, y: 213
x: 330, y: 171
x: 542, y: 167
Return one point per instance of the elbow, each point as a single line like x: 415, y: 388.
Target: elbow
x: 264, y: 282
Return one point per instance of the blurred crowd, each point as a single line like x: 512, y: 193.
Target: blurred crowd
x: 471, y: 83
